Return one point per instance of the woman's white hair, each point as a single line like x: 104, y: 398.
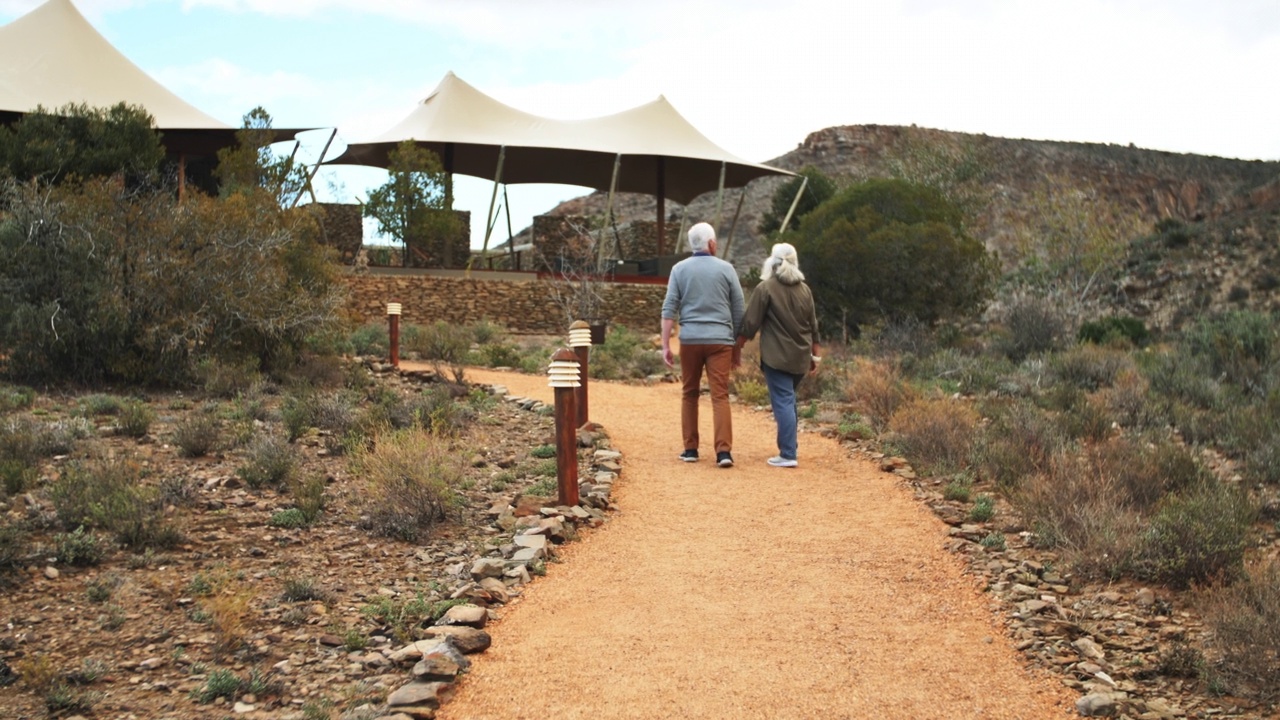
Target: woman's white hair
x: 784, y: 263
x: 700, y: 237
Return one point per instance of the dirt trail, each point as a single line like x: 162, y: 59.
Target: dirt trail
x: 751, y: 592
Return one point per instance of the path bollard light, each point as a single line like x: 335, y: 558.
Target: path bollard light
x: 393, y: 329
x: 564, y: 372
x: 580, y: 341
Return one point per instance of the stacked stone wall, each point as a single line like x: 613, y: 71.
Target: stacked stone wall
x: 522, y: 306
x: 343, y: 229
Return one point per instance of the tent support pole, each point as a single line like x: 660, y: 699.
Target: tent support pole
x: 684, y: 223
x: 511, y: 237
x: 311, y: 175
x: 720, y: 197
x: 787, y: 220
x: 662, y: 204
x: 448, y: 176
x: 608, y: 211
x: 493, y: 199
x: 733, y: 224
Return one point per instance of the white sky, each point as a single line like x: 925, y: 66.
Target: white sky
x: 756, y: 77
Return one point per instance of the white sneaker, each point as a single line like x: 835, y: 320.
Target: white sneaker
x: 779, y: 461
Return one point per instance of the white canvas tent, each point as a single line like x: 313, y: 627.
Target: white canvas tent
x: 52, y: 56
x: 649, y: 149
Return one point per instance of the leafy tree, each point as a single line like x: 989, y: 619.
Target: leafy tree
x: 251, y: 164
x: 411, y: 205
x: 818, y: 190
x: 891, y: 250
x: 77, y: 142
x: 103, y: 282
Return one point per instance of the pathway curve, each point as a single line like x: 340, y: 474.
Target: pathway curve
x: 751, y: 592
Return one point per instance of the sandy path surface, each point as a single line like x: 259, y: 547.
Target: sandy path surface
x: 750, y: 592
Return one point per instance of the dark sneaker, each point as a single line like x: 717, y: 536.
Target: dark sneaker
x: 724, y: 459
x: 689, y: 456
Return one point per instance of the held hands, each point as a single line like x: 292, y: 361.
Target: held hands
x: 668, y: 357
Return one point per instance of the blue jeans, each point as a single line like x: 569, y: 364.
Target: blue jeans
x: 782, y: 396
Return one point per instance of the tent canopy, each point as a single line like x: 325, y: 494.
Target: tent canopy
x: 52, y: 56
x: 467, y: 128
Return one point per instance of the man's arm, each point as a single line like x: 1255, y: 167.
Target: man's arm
x: 668, y: 324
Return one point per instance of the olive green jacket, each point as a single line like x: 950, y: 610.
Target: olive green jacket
x: 784, y: 315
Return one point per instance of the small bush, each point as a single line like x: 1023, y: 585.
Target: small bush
x: 79, y: 548
x: 1238, y: 344
x: 400, y: 616
x: 993, y: 541
x: 1245, y: 621
x: 443, y: 344
x: 290, y: 519
x: 1088, y: 367
x: 1180, y: 661
x: 412, y: 479
x: 543, y: 451
x: 271, y: 462
x: 197, y: 435
x: 1020, y: 441
x: 485, y: 332
x: 60, y: 436
x: 302, y: 590
x: 20, y: 440
x: 16, y: 476
x: 219, y: 684
x: 984, y: 508
x: 936, y: 434
x: 16, y: 397
x: 1033, y: 325
x: 135, y: 419
x: 876, y: 391
x: 372, y: 339
x: 227, y: 379
x: 1197, y: 535
x: 500, y: 355
x: 101, y: 589
x: 958, y: 489
x: 1114, y: 329
x: 308, y: 497
x: 107, y: 495
x: 229, y: 616
x: 62, y: 699
x: 753, y: 392
x: 15, y: 545
x: 97, y: 404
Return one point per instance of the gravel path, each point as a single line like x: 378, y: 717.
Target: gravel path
x: 751, y: 592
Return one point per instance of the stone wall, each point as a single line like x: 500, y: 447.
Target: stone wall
x: 638, y: 240
x: 445, y: 251
x: 521, y: 303
x: 343, y: 229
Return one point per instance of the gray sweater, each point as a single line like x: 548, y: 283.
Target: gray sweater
x: 705, y: 296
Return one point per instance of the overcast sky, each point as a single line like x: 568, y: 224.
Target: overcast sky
x: 1195, y: 76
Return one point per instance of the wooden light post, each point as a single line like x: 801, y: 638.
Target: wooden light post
x: 393, y: 330
x: 564, y: 378
x: 580, y: 341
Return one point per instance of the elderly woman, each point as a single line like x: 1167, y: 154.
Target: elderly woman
x: 781, y: 310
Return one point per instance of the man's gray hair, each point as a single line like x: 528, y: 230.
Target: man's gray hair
x: 700, y: 237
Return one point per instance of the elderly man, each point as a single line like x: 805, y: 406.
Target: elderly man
x: 705, y: 296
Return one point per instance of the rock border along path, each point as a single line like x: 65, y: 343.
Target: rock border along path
x: 819, y: 592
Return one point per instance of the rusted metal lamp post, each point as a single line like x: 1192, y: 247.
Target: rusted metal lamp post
x: 564, y: 378
x: 580, y: 341
x: 393, y: 330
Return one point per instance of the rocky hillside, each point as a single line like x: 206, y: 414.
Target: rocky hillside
x: 1229, y: 207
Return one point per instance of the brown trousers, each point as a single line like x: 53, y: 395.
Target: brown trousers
x: 718, y: 361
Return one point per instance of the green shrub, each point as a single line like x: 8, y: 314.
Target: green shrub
x: 100, y: 589
x: 1114, y: 329
x: 136, y: 418
x: 752, y: 392
x: 412, y: 482
x: 1020, y: 441
x: 400, y: 616
x: 1244, y: 619
x: 500, y: 355
x: 485, y: 332
x: 1088, y: 367
x: 543, y: 451
x: 107, y: 495
x: 443, y: 344
x: 197, y: 435
x: 308, y: 496
x: 1237, y: 344
x: 16, y: 476
x: 1033, y: 325
x: 984, y: 508
x: 302, y: 589
x: 958, y: 489
x: 60, y: 436
x: 16, y: 397
x: 937, y: 434
x: 98, y: 404
x: 20, y: 440
x: 290, y: 518
x: 63, y: 699
x: 219, y: 684
x: 993, y: 541
x: 15, y: 545
x: 1197, y: 535
x: 79, y: 548
x: 270, y: 463
x: 372, y: 339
